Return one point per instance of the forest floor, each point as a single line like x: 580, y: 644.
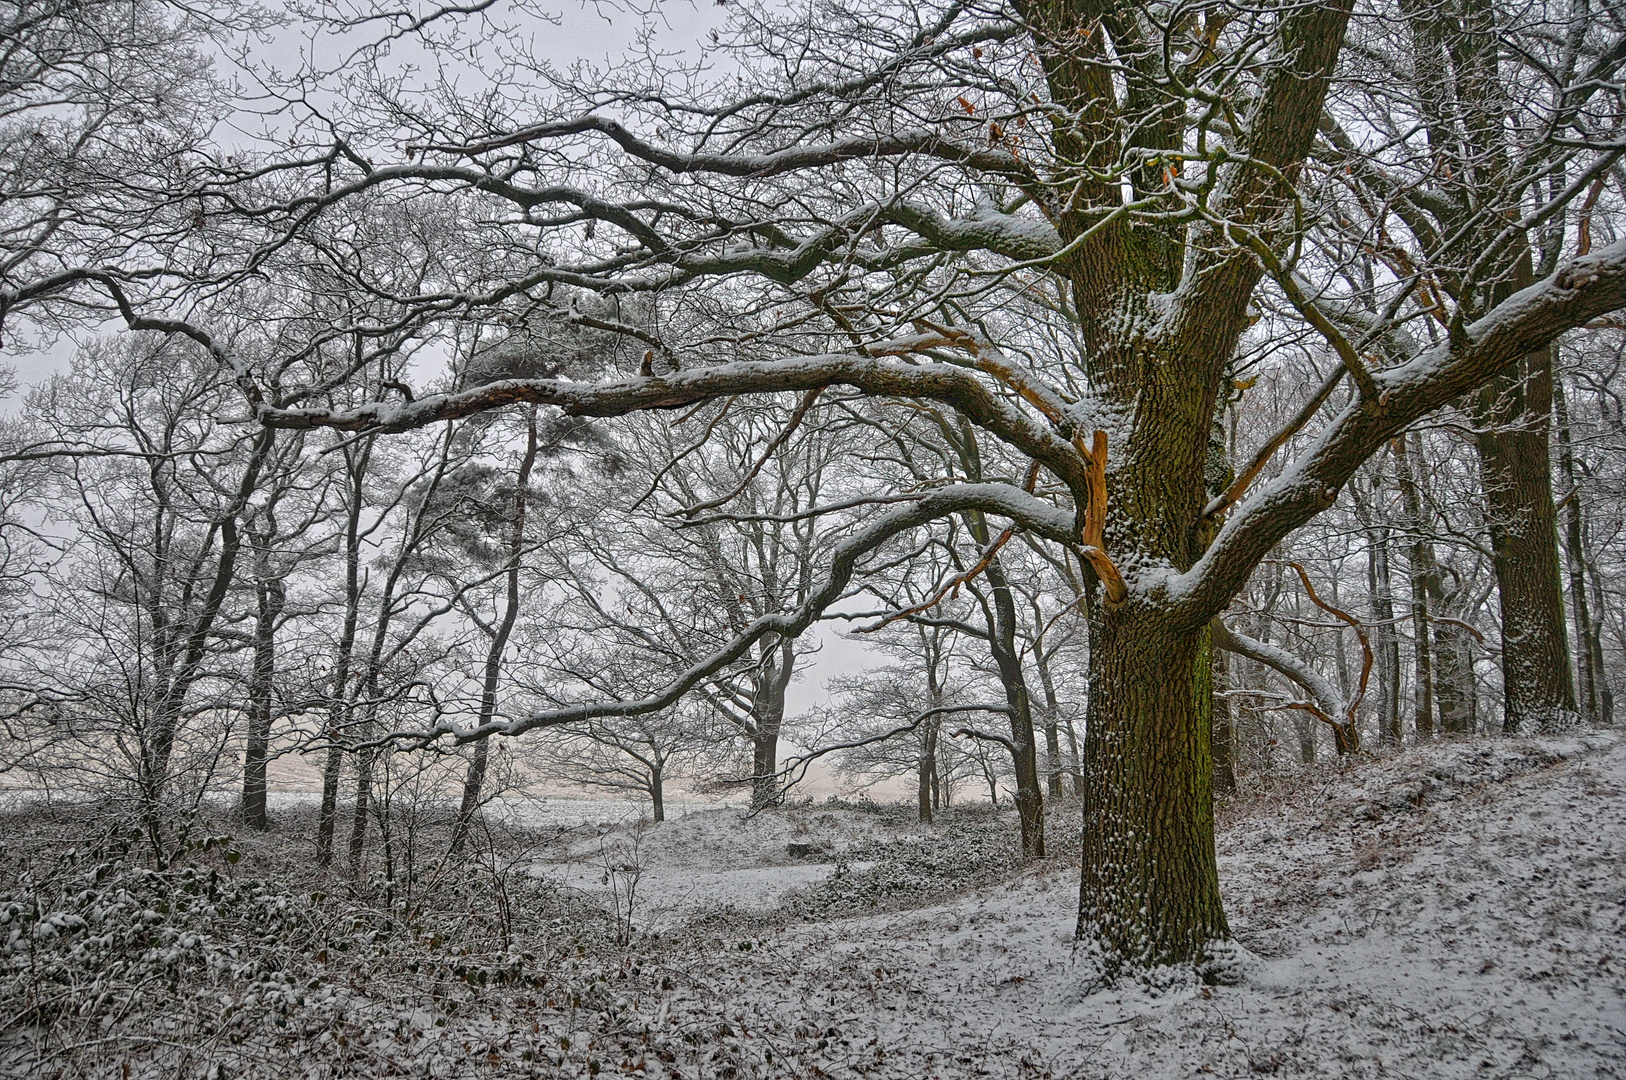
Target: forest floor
x: 1457, y: 910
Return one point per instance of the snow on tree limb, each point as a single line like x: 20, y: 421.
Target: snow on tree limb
x: 1581, y: 290
x: 1004, y: 500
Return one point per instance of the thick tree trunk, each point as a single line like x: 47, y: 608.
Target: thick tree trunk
x: 765, y: 760
x: 1150, y: 892
x: 768, y: 716
x: 765, y: 750
x: 1513, y: 415
x: 657, y: 793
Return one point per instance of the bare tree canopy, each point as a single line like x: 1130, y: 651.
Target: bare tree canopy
x: 864, y: 287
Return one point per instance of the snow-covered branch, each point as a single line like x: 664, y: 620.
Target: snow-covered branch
x: 1003, y: 500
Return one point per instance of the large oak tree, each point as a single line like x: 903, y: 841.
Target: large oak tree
x: 865, y: 202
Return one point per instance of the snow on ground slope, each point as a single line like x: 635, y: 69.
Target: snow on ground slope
x: 1457, y: 911
x: 726, y: 857
x: 1449, y: 912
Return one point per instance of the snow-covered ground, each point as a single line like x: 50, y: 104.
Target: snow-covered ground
x: 715, y: 858
x: 1455, y: 911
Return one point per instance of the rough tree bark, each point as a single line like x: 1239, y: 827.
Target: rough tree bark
x: 1164, y: 298
x: 1150, y: 881
x: 1465, y: 112
x: 1513, y: 415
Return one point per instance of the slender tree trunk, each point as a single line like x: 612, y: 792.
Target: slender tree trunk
x: 999, y: 614
x: 366, y: 760
x: 926, y: 791
x: 1589, y: 669
x: 657, y: 793
x: 1606, y: 693
x: 926, y: 775
x: 1513, y: 415
x: 1077, y: 765
x: 1052, y: 717
x: 1052, y: 746
x: 332, y: 772
x: 474, y: 780
x: 1220, y: 732
x: 1423, y: 667
x: 270, y: 598
x: 1424, y: 572
x: 191, y: 652
x: 1454, y: 661
x: 1304, y: 728
x: 1001, y: 622
x: 361, y: 807
x: 1150, y: 889
x: 1385, y: 643
x: 357, y: 458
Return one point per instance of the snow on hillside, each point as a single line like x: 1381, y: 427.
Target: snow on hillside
x: 1453, y: 911
x: 1456, y: 911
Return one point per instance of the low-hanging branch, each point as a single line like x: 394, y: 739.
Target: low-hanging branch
x: 878, y: 376
x: 1326, y: 703
x: 1004, y: 500
x: 984, y: 736
x: 952, y: 586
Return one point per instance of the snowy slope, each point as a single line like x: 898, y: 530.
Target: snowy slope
x: 1448, y: 912
x: 1457, y: 911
